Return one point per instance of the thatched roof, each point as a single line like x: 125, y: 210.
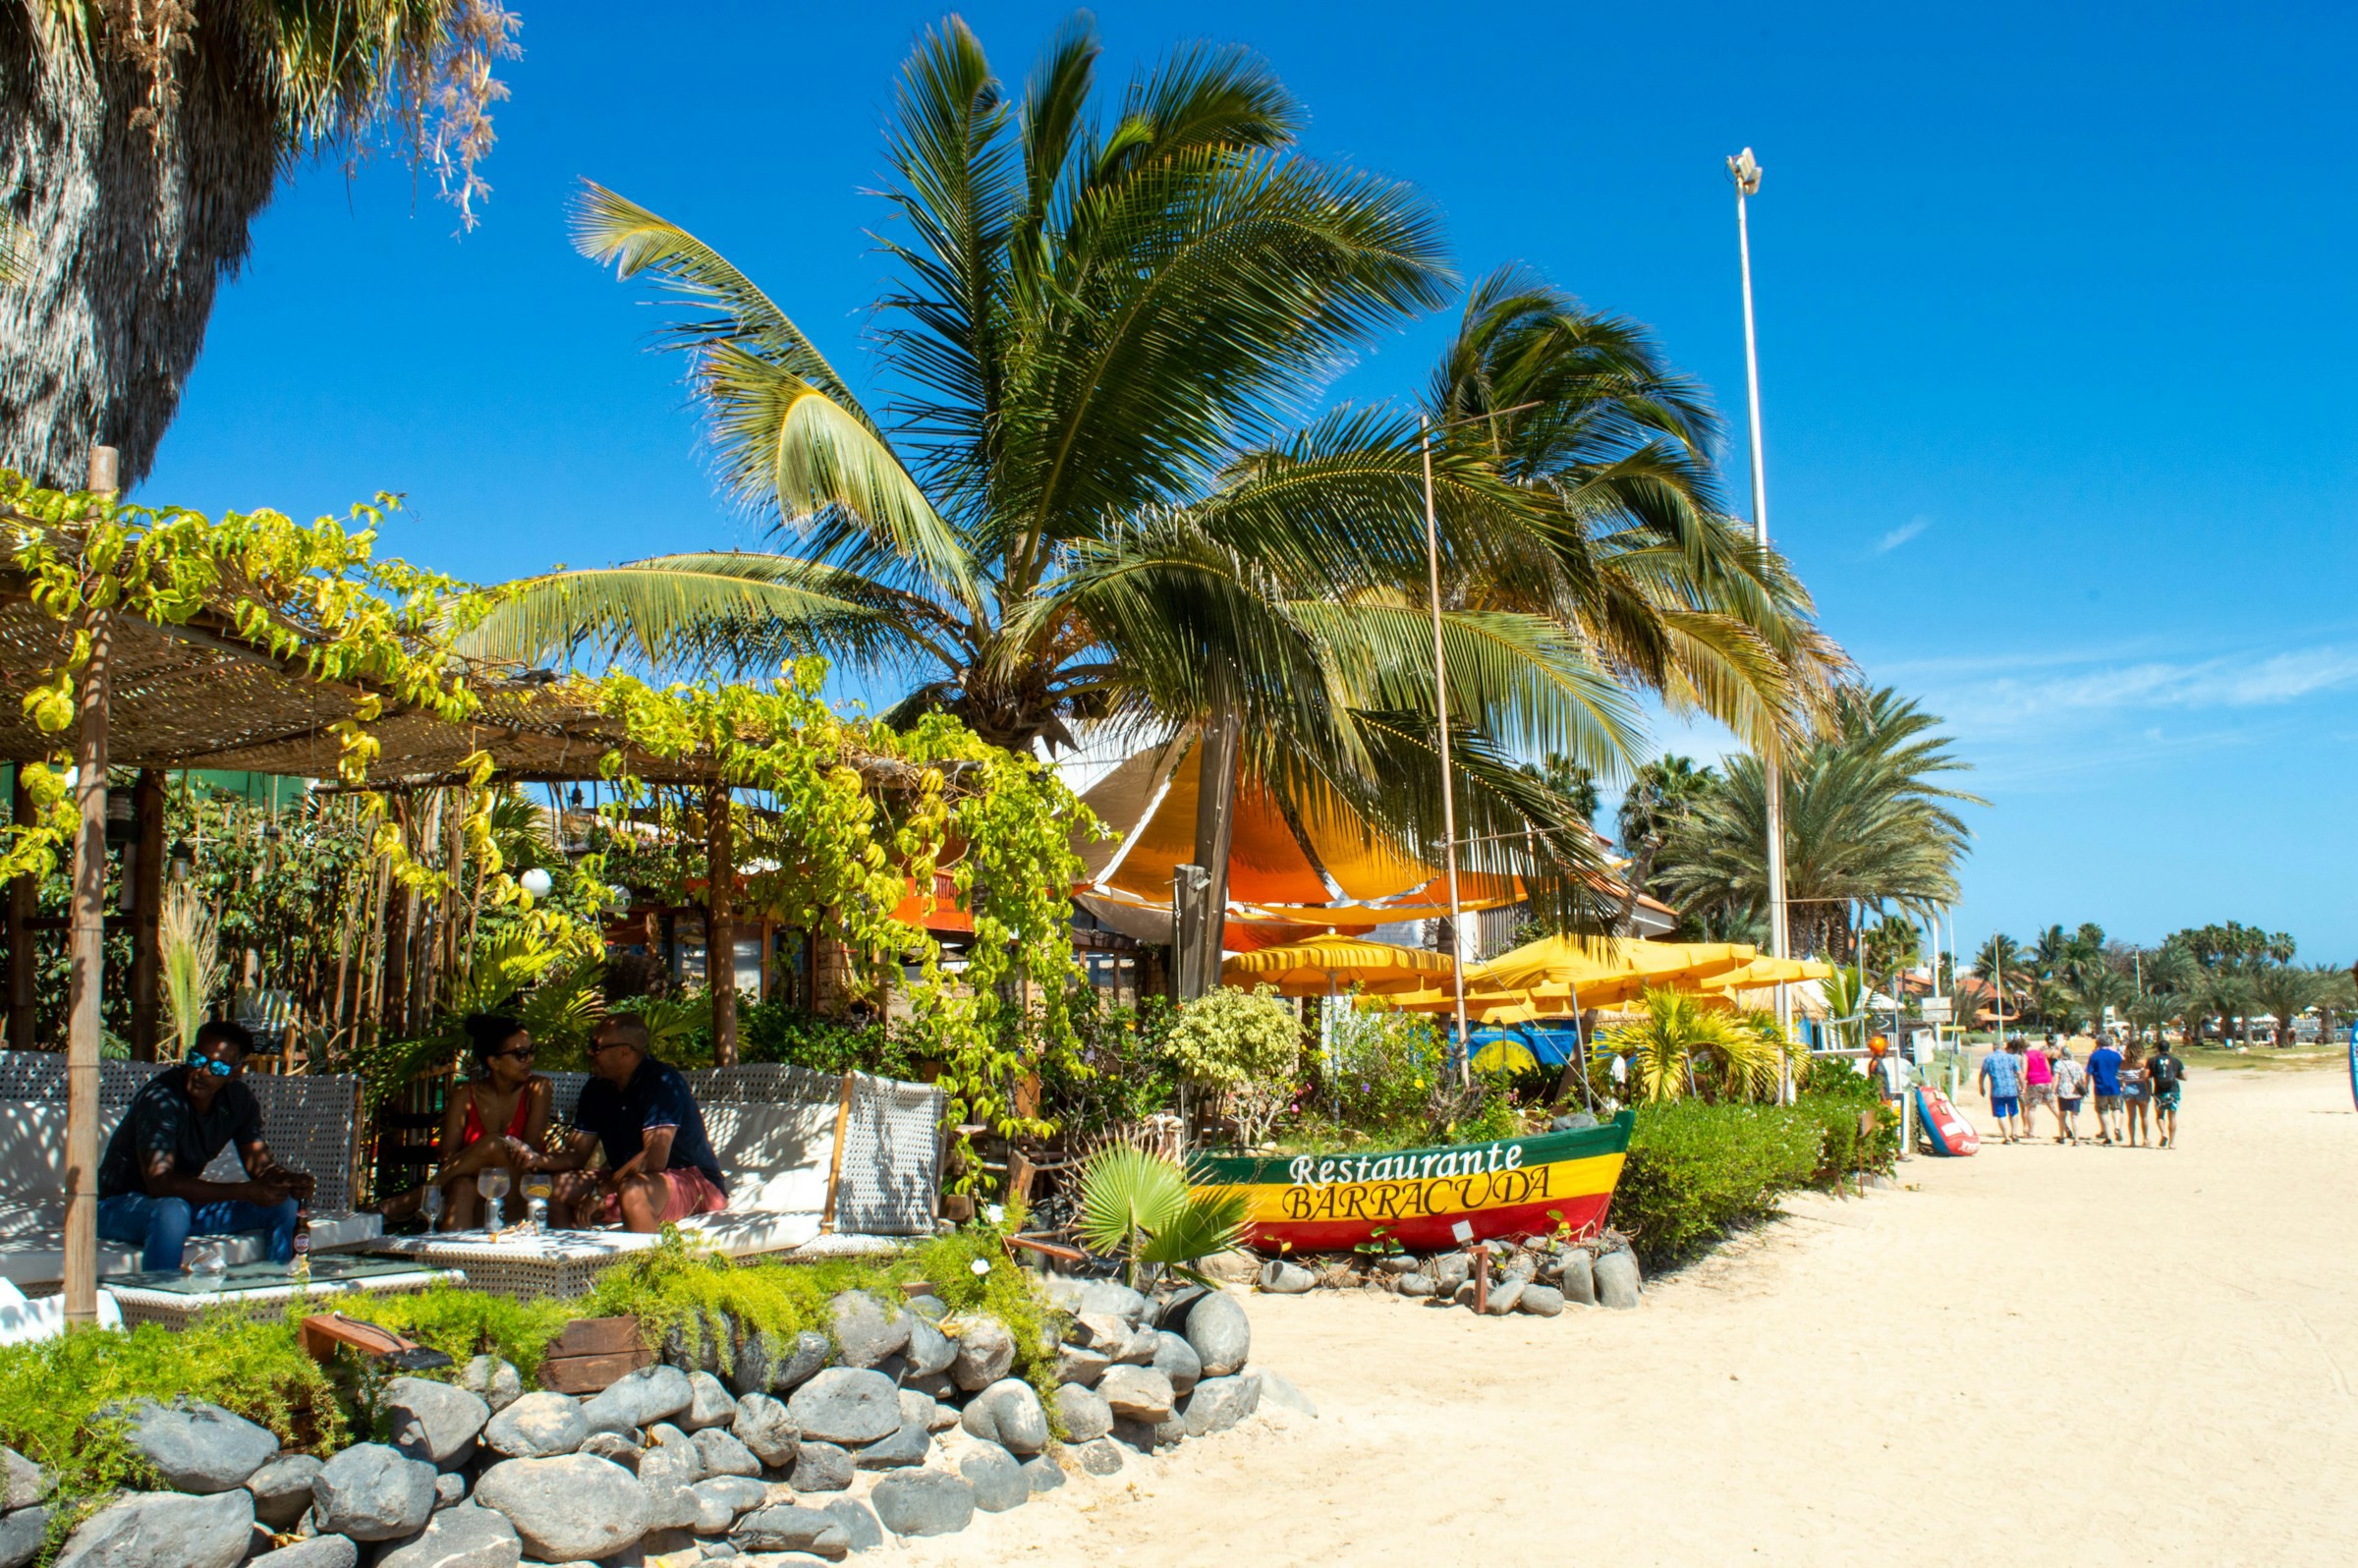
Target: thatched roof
x: 198, y: 696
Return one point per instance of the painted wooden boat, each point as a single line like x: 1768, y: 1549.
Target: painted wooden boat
x: 1532, y: 1186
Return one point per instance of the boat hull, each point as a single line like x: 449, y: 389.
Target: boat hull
x: 1547, y: 1184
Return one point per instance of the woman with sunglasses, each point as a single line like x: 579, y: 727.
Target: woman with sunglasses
x: 500, y: 1118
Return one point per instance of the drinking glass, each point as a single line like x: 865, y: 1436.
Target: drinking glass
x: 430, y: 1205
x: 208, y: 1263
x: 493, y: 1182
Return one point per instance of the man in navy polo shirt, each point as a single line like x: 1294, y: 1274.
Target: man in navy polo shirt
x: 659, y: 1164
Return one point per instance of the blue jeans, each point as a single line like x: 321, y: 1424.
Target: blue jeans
x: 163, y: 1225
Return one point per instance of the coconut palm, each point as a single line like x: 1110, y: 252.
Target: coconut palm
x: 1867, y: 821
x: 1679, y: 1046
x: 2001, y: 965
x: 2286, y: 992
x: 1085, y: 502
x: 140, y: 141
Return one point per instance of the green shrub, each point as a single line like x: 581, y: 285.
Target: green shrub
x: 1832, y: 1097
x: 1387, y: 1071
x: 464, y: 1323
x: 1245, y: 1046
x: 1120, y: 1072
x: 1695, y: 1169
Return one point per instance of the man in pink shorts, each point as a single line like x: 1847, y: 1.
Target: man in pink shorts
x: 659, y: 1164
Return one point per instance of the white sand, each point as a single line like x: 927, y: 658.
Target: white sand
x: 2036, y: 1354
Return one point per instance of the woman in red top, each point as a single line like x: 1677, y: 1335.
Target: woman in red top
x: 500, y: 1118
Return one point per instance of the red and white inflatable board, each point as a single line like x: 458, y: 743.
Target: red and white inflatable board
x: 1944, y: 1126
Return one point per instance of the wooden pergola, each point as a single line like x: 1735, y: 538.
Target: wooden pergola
x: 155, y: 697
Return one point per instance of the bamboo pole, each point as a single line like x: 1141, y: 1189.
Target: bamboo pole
x: 147, y: 930
x: 85, y: 1027
x: 720, y: 943
x: 24, y: 896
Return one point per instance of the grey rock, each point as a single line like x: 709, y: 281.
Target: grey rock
x: 1145, y: 1344
x: 670, y: 1506
x: 929, y: 1349
x: 858, y: 1525
x: 1176, y: 1360
x: 1541, y: 1301
x: 1171, y: 1311
x: 1221, y: 1334
x: 1281, y: 1278
x: 725, y: 1454
x: 986, y: 1352
x: 847, y: 1404
x: 1008, y: 1413
x: 998, y: 1481
x: 21, y: 1481
x: 434, y: 1422
x: 1107, y: 1296
x: 712, y: 1517
x: 155, y: 1529
x: 788, y: 1527
x: 1084, y: 1411
x: 493, y: 1381
x: 923, y: 1502
x: 21, y: 1532
x: 1136, y: 1393
x: 1521, y: 1265
x: 929, y: 1307
x: 199, y: 1448
x: 663, y: 1434
x: 865, y: 1332
x: 728, y: 1496
x: 1149, y: 1436
x: 918, y: 1410
x: 1617, y: 1281
x: 673, y: 1463
x: 1235, y: 1267
x: 1043, y: 1474
x: 1415, y: 1285
x: 1107, y: 1333
x: 1101, y: 1456
x: 1220, y: 1403
x: 574, y: 1507
x: 372, y: 1492
x: 1464, y: 1294
x: 764, y: 1425
x: 320, y: 1551
x: 711, y: 1404
x: 1280, y: 1391
x: 908, y: 1446
x: 1577, y: 1121
x: 1396, y: 1263
x: 1449, y: 1270
x: 282, y: 1489
x: 1576, y: 1271
x: 468, y: 1536
x: 640, y: 1399
x: 450, y: 1489
x: 1074, y: 1364
x: 1504, y: 1292
x: 935, y: 1387
x: 769, y: 1365
x: 611, y: 1446
x: 538, y: 1426
x: 822, y: 1467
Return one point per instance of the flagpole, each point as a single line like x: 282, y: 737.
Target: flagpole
x: 1440, y: 707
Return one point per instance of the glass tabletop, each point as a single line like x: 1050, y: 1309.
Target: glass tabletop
x: 327, y: 1270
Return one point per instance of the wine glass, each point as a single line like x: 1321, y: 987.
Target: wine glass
x: 430, y: 1205
x: 208, y: 1263
x: 493, y: 1182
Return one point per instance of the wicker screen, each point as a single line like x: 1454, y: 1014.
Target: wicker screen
x: 892, y: 1158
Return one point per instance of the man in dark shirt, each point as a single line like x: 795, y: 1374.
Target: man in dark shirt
x: 2168, y: 1076
x: 659, y: 1164
x: 151, y: 1187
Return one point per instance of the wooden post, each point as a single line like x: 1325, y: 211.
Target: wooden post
x: 24, y: 901
x: 720, y: 940
x: 148, y: 911
x: 843, y: 1127
x: 90, y: 955
x: 1199, y: 947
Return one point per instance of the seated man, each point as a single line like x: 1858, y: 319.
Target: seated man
x: 659, y: 1164
x: 151, y: 1187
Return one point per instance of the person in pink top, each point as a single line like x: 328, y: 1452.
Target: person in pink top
x: 2038, y: 1081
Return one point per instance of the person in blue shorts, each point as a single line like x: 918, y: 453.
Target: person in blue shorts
x: 2104, y: 1075
x: 2001, y: 1072
x: 2166, y: 1075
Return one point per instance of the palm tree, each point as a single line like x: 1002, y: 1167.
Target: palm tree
x: 2001, y: 966
x: 1088, y: 505
x: 141, y: 141
x: 2285, y: 991
x: 1866, y: 823
x: 1661, y: 795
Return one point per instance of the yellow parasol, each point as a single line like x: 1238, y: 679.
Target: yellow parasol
x: 1324, y: 964
x: 1768, y: 971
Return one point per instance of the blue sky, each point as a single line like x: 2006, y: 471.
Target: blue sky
x: 2056, y: 345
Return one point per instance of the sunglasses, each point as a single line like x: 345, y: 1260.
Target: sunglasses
x: 523, y: 1053
x: 215, y: 1066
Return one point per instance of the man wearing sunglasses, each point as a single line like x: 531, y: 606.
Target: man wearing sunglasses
x: 661, y: 1167
x: 151, y: 1186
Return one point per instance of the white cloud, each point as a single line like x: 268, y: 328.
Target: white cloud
x: 2210, y: 684
x: 1901, y: 535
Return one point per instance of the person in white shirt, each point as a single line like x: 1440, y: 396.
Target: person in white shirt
x: 2071, y: 1087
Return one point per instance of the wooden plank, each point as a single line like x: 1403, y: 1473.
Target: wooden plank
x: 596, y: 1336
x: 589, y: 1374
x: 843, y: 1122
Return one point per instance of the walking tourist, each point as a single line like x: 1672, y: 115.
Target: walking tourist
x: 507, y: 1095
x: 2167, y: 1077
x: 2001, y: 1072
x: 2038, y: 1081
x: 2071, y: 1085
x: 2104, y: 1075
x: 151, y: 1186
x: 2136, y: 1092
x: 659, y: 1165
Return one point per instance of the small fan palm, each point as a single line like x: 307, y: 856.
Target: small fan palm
x: 188, y: 946
x: 1136, y: 1205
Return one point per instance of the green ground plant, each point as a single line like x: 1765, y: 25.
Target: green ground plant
x: 1695, y: 1170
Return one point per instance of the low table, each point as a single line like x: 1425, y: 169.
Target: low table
x: 173, y: 1299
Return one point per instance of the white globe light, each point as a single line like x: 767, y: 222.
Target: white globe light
x: 535, y: 882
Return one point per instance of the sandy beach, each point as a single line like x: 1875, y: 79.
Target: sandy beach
x: 2039, y: 1355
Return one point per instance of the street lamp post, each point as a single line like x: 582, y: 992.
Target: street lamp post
x: 1441, y: 709
x: 1746, y: 171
